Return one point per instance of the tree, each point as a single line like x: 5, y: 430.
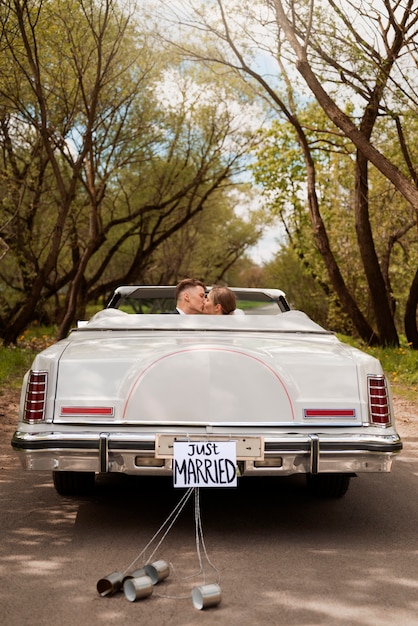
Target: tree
x: 395, y: 36
x: 341, y: 61
x: 101, y: 170
x: 63, y: 57
x: 212, y: 243
x: 279, y: 169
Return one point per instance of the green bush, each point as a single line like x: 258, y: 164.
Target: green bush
x: 400, y: 364
x: 15, y: 360
x: 13, y: 364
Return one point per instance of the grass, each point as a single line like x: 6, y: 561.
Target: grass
x: 13, y: 364
x: 400, y: 364
x: 15, y: 360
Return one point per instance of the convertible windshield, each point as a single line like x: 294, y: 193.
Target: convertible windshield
x: 154, y: 300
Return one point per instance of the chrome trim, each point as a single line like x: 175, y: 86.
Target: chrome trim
x: 382, y: 378
x: 314, y: 439
x: 104, y: 452
x: 209, y: 426
x: 116, y: 452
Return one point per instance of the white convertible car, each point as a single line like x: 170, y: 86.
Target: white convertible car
x: 124, y: 388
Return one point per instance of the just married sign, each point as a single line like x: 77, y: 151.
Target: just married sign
x: 205, y: 464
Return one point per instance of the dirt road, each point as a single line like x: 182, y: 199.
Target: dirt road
x: 282, y: 557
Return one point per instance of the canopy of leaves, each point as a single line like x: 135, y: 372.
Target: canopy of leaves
x: 111, y: 145
x: 357, y: 60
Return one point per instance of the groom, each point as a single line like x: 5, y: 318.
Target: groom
x: 190, y: 297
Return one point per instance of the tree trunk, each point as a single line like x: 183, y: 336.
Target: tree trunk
x: 347, y: 301
x: 340, y: 119
x: 25, y: 315
x: 410, y: 320
x: 380, y: 298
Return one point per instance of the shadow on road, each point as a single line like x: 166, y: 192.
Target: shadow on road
x: 283, y: 557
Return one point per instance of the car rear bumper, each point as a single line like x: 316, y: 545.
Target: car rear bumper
x: 283, y: 455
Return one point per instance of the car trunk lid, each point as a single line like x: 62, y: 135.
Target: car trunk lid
x: 193, y: 380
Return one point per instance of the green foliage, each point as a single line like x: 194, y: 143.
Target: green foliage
x: 400, y: 364
x: 281, y: 173
x: 13, y: 364
x: 16, y: 360
x: 105, y: 162
x: 37, y: 337
x: 287, y: 272
x: 210, y: 244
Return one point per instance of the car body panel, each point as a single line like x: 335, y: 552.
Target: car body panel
x: 121, y: 383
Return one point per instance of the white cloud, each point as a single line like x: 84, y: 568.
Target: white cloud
x: 267, y: 247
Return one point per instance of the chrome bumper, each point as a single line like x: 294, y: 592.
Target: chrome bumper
x: 283, y: 455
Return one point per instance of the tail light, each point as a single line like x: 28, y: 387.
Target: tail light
x: 379, y: 407
x: 35, y: 399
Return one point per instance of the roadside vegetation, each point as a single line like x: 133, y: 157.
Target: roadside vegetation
x: 400, y: 363
x: 16, y: 359
x: 144, y: 142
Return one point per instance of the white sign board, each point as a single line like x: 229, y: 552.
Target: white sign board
x: 205, y: 464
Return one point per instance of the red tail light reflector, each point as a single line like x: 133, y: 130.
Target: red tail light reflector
x: 97, y: 411
x: 379, y: 409
x: 35, y: 399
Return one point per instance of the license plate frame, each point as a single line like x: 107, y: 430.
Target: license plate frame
x: 249, y: 448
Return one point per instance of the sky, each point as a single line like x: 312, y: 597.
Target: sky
x: 267, y: 247
x: 250, y: 117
